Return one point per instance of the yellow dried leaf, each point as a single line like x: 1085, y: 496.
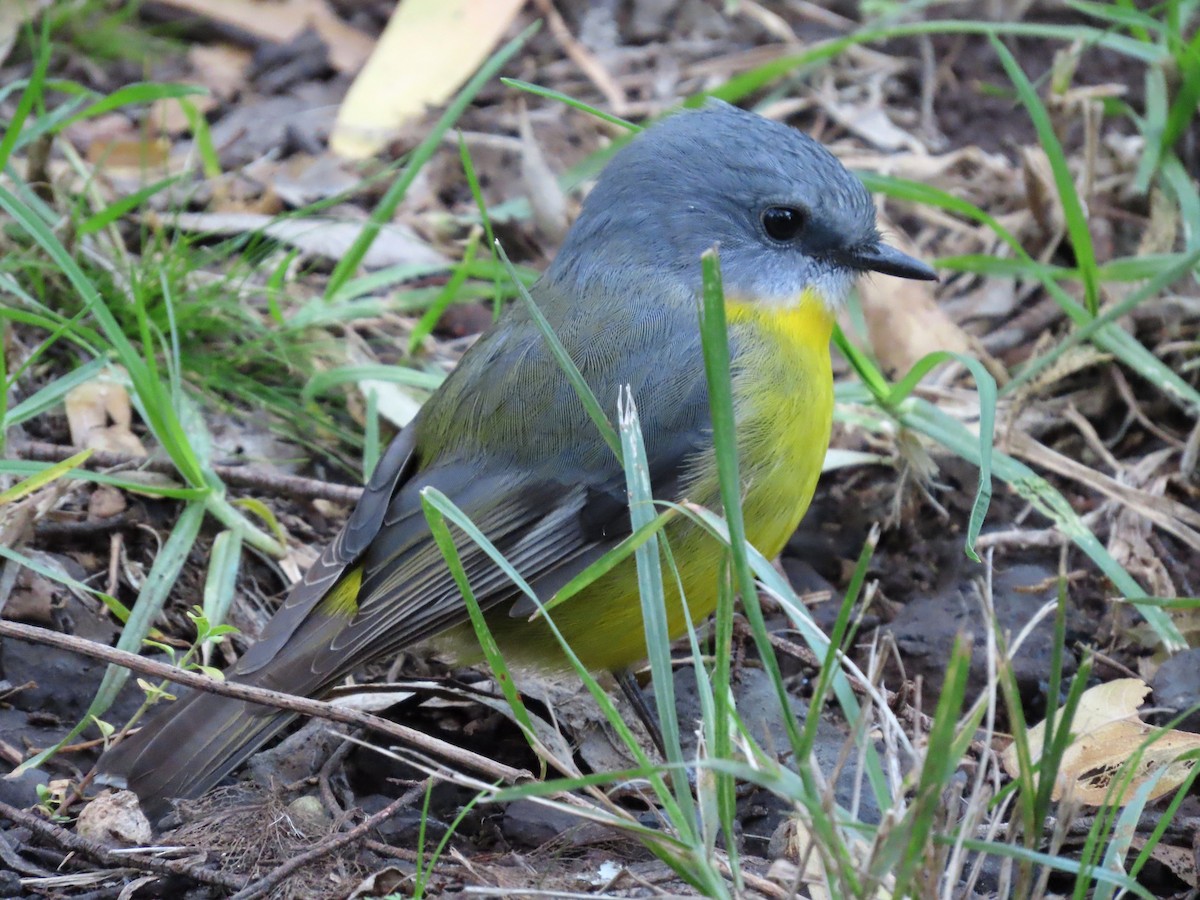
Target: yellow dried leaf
x: 427, y: 51
x: 1107, y: 733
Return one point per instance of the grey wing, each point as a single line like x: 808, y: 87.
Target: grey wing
x: 394, y: 468
x: 519, y: 456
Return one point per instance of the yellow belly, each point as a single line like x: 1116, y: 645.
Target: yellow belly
x: 783, y: 397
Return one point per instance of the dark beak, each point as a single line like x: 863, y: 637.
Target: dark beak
x: 885, y: 259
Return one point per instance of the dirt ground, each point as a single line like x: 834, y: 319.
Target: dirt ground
x: 949, y: 124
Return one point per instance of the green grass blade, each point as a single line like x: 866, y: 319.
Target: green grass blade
x: 138, y: 94
x: 594, y: 410
x: 430, y: 318
x: 1182, y: 186
x: 32, y: 94
x: 44, y: 477
x: 839, y: 637
x: 464, y: 155
x: 802, y: 621
x: 862, y: 365
x: 52, y: 394
x: 122, y: 207
x: 487, y: 641
x: 747, y: 83
x: 904, y: 851
x: 1061, y: 864
x: 22, y: 468
x: 610, y: 560
x: 951, y: 434
x: 445, y: 506
x: 538, y: 91
x: 166, y: 426
x: 220, y: 584
x: 323, y: 382
x: 156, y: 587
x: 1105, y: 324
x: 986, y: 386
x: 714, y: 341
x: 653, y: 597
x: 1113, y: 14
x: 1108, y: 336
x: 386, y: 208
x: 1076, y: 218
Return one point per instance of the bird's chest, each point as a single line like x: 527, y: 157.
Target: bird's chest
x: 783, y: 397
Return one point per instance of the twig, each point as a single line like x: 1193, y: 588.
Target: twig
x: 1021, y: 538
x: 1135, y: 408
x: 382, y: 849
x: 326, y: 773
x: 82, y: 528
x: 1168, y: 514
x: 12, y: 859
x: 251, y: 477
x: 76, y: 844
x: 583, y: 58
x: 1107, y: 660
x: 264, y: 886
x: 264, y: 697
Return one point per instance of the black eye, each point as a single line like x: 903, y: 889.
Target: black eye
x: 782, y: 223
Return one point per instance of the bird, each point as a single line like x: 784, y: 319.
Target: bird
x: 507, y: 439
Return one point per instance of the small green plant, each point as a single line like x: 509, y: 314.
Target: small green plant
x: 208, y: 635
x: 49, y: 802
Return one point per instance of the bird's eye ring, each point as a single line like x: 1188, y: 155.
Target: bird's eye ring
x: 783, y: 223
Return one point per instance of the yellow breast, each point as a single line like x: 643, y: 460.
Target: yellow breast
x: 783, y: 394
x: 783, y: 401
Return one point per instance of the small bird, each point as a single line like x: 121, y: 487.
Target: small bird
x: 507, y: 439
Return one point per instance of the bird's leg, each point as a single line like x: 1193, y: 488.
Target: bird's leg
x: 629, y: 687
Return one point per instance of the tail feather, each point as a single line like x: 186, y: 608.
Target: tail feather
x: 197, y: 740
x: 188, y: 748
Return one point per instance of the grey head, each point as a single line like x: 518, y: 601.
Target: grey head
x: 785, y: 214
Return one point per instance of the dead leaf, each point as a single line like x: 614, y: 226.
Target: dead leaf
x: 32, y: 599
x: 281, y: 21
x: 1107, y: 732
x: 168, y: 116
x: 99, y: 415
x: 395, y: 244
x: 398, y: 403
x: 1169, y: 514
x: 385, y: 882
x: 1040, y: 191
x: 220, y: 67
x: 873, y: 125
x: 1180, y: 860
x: 426, y: 52
x: 13, y: 15
x: 547, y: 199
x: 141, y: 154
x: 905, y: 323
x: 303, y: 179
